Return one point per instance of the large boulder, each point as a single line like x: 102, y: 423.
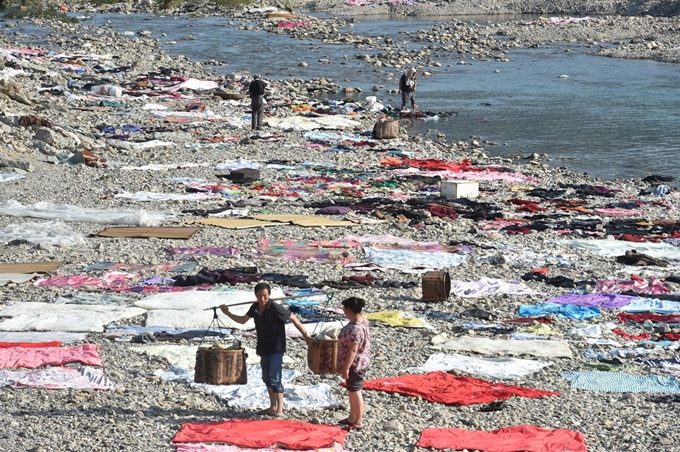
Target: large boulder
x: 55, y: 139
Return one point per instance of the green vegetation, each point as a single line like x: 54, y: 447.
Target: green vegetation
x: 192, y: 4
x: 35, y: 11
x: 232, y: 3
x: 107, y: 2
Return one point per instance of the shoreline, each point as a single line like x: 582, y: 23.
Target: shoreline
x: 145, y: 412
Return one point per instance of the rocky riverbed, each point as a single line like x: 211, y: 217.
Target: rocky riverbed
x: 145, y: 412
x: 640, y: 29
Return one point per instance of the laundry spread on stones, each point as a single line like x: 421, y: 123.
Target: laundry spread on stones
x: 534, y: 273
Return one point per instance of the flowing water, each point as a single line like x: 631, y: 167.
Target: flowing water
x: 610, y: 118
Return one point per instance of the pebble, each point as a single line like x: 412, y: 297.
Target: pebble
x: 393, y: 426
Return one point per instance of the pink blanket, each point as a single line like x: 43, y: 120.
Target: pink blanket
x: 650, y: 286
x: 32, y: 358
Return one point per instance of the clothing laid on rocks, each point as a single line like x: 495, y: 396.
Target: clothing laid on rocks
x: 508, y: 439
x: 557, y: 281
x: 266, y: 433
x: 564, y: 311
x: 441, y: 387
x: 632, y: 257
x: 34, y: 357
x: 491, y: 368
x: 602, y: 300
x: 622, y: 382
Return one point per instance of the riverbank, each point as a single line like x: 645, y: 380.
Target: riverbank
x: 144, y: 412
x: 637, y: 29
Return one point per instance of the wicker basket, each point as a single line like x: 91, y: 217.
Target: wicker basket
x: 436, y: 286
x: 386, y: 130
x: 322, y: 357
x: 221, y: 367
x: 227, y: 95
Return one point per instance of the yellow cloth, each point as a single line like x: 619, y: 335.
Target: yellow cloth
x: 540, y: 329
x: 395, y: 318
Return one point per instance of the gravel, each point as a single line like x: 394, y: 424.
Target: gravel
x: 145, y: 412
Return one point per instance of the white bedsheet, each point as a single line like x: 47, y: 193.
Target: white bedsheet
x: 495, y: 368
x: 66, y: 212
x: 485, y: 346
x: 42, y: 336
x: 254, y: 394
x: 33, y: 316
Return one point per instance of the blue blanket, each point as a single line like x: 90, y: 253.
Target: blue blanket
x: 561, y: 310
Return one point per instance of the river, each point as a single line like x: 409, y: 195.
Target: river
x: 611, y: 118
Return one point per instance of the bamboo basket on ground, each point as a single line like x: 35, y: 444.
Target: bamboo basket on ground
x: 221, y: 367
x: 386, y: 129
x: 436, y: 286
x: 322, y: 357
x: 228, y: 95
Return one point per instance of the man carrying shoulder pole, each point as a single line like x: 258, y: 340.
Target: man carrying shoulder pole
x: 270, y: 319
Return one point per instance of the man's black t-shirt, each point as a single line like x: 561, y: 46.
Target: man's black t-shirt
x: 270, y: 327
x: 257, y: 88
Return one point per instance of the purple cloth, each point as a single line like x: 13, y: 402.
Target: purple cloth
x: 602, y: 300
x: 334, y: 210
x: 156, y: 280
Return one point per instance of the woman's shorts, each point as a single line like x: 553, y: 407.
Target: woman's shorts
x: 355, y: 382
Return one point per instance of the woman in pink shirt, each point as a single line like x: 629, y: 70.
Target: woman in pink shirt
x: 354, y: 347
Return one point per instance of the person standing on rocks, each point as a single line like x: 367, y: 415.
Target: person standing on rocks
x: 270, y: 324
x: 354, y: 347
x: 256, y: 91
x: 407, y: 88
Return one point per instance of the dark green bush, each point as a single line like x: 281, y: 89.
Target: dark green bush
x: 27, y: 12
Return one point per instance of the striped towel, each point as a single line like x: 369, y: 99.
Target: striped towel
x: 621, y: 382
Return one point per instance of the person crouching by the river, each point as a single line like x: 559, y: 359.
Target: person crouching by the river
x: 354, y: 347
x: 270, y: 324
x: 256, y: 91
x: 407, y: 88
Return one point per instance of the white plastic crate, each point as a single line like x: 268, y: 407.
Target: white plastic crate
x: 459, y: 189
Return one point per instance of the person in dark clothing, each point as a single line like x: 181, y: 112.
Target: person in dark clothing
x: 270, y: 324
x: 407, y: 88
x: 256, y: 91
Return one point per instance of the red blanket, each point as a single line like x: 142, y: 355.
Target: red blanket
x: 271, y: 433
x: 30, y: 344
x: 33, y: 358
x: 445, y: 388
x: 508, y: 439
